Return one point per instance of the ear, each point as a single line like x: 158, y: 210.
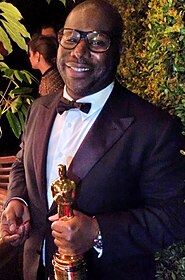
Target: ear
x: 37, y: 56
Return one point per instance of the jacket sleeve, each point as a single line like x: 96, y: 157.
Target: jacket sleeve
x: 17, y: 181
x: 159, y: 219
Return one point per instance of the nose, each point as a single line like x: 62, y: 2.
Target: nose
x: 81, y: 50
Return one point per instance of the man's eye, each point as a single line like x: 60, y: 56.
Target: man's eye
x: 70, y: 40
x: 97, y: 43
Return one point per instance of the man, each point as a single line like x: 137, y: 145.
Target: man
x: 48, y: 30
x: 123, y: 155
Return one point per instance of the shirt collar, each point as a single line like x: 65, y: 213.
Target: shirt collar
x: 97, y: 99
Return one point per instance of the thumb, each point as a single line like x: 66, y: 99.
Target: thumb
x: 10, y: 222
x: 54, y: 218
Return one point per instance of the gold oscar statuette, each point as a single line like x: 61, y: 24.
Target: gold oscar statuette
x: 66, y: 267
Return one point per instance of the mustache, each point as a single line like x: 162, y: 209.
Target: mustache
x: 82, y: 60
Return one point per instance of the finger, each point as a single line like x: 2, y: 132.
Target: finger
x: 54, y: 218
x: 12, y: 227
x: 5, y: 230
x: 8, y: 224
x: 16, y: 243
x: 27, y: 227
x: 58, y: 235
x: 60, y: 244
x: 8, y: 239
x: 66, y: 248
x: 21, y: 230
x: 24, y: 230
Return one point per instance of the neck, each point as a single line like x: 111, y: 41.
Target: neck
x: 77, y: 94
x: 44, y: 68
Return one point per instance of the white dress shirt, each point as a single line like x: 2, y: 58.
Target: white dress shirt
x: 69, y: 130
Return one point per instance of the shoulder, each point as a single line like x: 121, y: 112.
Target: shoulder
x: 47, y: 100
x: 44, y: 102
x: 147, y: 116
x: 137, y: 106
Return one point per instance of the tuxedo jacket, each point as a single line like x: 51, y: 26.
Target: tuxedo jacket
x: 129, y: 172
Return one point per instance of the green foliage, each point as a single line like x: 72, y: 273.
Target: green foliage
x: 171, y: 263
x: 153, y: 64
x: 11, y: 28
x: 15, y: 98
x: 15, y: 89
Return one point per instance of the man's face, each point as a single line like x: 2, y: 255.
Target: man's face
x: 83, y: 71
x: 48, y: 31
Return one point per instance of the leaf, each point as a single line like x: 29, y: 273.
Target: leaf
x: 16, y: 36
x: 63, y: 1
x: 29, y: 76
x: 21, y: 90
x: 21, y: 119
x: 13, y: 27
x: 14, y: 123
x: 165, y: 8
x: 8, y: 72
x: 24, y: 110
x: 182, y: 31
x: 3, y: 65
x: 16, y: 104
x: 11, y: 10
x: 19, y: 75
x: 29, y: 101
x: 20, y: 28
x: 6, y: 41
x: 173, y: 276
x: 178, y: 68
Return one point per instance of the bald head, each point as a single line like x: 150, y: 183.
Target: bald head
x: 101, y: 12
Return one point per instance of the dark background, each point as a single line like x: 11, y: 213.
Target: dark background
x: 35, y: 14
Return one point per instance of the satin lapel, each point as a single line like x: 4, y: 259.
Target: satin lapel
x: 107, y: 129
x: 110, y: 125
x: 41, y: 137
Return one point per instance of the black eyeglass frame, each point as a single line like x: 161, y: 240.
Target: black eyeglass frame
x: 83, y: 35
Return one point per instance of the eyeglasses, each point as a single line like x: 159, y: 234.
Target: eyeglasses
x: 97, y: 41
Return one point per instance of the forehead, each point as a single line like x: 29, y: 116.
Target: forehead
x: 48, y: 31
x: 88, y: 18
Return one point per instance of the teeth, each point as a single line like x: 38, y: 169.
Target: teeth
x: 80, y: 69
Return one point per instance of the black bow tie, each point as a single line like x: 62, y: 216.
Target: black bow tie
x: 65, y: 105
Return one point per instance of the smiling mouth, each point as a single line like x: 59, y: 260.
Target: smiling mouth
x: 78, y: 69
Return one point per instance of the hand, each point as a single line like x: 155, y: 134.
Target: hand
x: 75, y: 236
x: 15, y: 223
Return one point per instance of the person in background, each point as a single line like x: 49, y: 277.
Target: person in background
x: 48, y: 30
x: 42, y: 55
x: 123, y: 153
